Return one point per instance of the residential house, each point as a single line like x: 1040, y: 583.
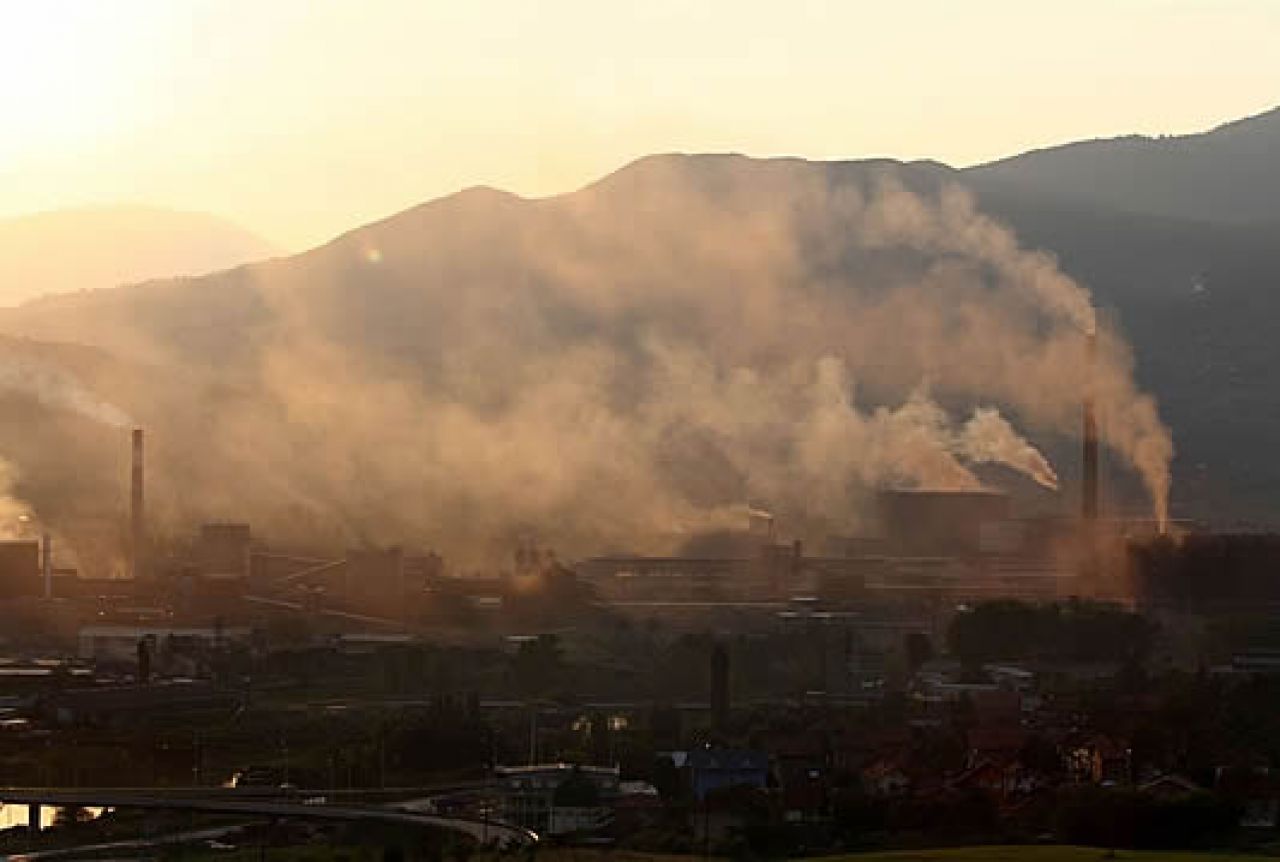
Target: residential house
x: 715, y: 768
x: 558, y: 798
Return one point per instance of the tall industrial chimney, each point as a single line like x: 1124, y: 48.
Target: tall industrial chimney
x: 1089, y: 483
x: 137, y: 550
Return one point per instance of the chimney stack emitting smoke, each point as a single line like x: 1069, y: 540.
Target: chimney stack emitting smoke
x: 1089, y: 489
x: 137, y: 522
x: 846, y: 364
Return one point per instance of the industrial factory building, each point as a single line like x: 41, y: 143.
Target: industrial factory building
x: 941, y: 523
x: 120, y: 643
x: 20, y: 568
x: 958, y: 545
x: 931, y: 545
x: 927, y: 546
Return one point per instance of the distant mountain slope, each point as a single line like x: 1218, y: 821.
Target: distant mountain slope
x: 84, y: 249
x: 394, y: 286
x: 352, y: 386
x: 1230, y: 174
x: 620, y: 367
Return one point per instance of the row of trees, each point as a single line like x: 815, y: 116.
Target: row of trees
x: 1205, y: 571
x: 1077, y: 630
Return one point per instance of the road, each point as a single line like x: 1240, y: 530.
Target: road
x: 221, y: 801
x: 134, y: 844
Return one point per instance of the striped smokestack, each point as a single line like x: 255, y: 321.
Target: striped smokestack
x: 137, y: 520
x: 1089, y: 483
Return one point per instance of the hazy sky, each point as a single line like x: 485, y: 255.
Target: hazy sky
x: 302, y: 118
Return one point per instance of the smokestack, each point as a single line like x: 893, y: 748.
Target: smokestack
x: 46, y: 563
x: 136, y: 514
x: 144, y: 660
x: 1089, y: 484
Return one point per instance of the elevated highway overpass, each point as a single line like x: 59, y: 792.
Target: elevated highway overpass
x: 302, y: 804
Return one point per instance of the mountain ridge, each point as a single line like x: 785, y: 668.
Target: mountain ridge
x: 546, y: 278
x: 1229, y: 174
x: 105, y: 246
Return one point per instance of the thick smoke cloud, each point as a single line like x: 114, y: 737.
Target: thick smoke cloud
x: 15, y: 514
x: 988, y: 438
x: 627, y: 366
x: 57, y: 389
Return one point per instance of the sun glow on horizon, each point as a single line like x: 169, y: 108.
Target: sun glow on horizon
x: 63, y: 69
x: 301, y: 120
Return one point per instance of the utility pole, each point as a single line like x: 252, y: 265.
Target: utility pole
x: 706, y: 827
x: 533, y: 735
x: 382, y: 757
x: 195, y: 758
x: 484, y: 810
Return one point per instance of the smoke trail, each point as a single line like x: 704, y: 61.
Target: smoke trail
x: 620, y: 367
x: 989, y: 438
x: 15, y: 514
x: 896, y: 217
x: 951, y: 226
x: 56, y: 388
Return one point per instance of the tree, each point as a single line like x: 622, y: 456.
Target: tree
x: 577, y: 791
x: 538, y: 663
x: 919, y: 649
x: 1075, y: 631
x: 668, y: 780
x: 856, y: 815
x: 1126, y: 818
x: 1039, y: 754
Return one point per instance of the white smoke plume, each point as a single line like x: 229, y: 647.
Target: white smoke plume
x: 56, y: 388
x: 16, y: 517
x: 952, y: 225
x: 989, y: 438
x: 622, y: 367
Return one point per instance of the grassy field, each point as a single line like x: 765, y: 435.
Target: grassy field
x: 1040, y: 853
x: 1004, y: 853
